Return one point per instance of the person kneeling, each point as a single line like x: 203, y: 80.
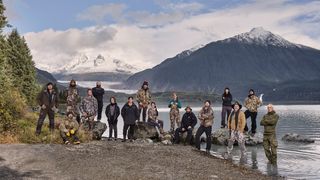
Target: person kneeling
x: 68, y: 129
x: 189, y: 120
x: 153, y: 119
x: 236, y: 125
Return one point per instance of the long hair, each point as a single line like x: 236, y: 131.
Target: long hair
x: 224, y: 92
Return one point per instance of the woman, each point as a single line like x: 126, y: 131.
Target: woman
x: 174, y: 106
x: 226, y: 106
x: 112, y: 113
x: 153, y: 118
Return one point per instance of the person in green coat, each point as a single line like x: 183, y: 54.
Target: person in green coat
x: 270, y: 143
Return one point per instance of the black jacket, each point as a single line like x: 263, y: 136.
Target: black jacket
x: 116, y: 113
x: 188, y: 119
x: 98, y: 93
x: 47, y: 99
x: 227, y: 100
x: 130, y: 113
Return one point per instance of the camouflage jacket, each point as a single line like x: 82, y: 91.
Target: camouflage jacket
x: 206, y: 117
x: 89, y: 105
x: 152, y: 114
x: 69, y: 124
x: 269, y: 121
x: 252, y: 103
x: 72, y: 95
x: 144, y: 97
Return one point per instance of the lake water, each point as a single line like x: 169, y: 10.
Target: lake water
x: 295, y: 160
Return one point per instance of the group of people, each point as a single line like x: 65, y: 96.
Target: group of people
x: 91, y: 106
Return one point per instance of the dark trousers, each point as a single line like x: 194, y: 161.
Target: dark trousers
x: 253, y: 116
x: 225, y: 110
x: 177, y: 135
x: 155, y: 124
x: 200, y: 131
x: 131, y: 131
x: 144, y: 113
x: 42, y: 116
x: 113, y: 127
x: 100, y: 107
x: 65, y: 138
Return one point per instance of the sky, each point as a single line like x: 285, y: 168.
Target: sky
x: 143, y: 33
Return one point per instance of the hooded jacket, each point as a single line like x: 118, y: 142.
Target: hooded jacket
x: 130, y: 113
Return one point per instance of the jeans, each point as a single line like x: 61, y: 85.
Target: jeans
x: 202, y: 129
x: 144, y: 113
x: 100, y: 107
x: 113, y: 127
x: 177, y: 135
x: 225, y: 110
x: 253, y: 116
x: 42, y: 117
x: 131, y: 131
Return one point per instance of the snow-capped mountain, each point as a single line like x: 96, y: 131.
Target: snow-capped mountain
x: 260, y: 36
x: 84, y: 64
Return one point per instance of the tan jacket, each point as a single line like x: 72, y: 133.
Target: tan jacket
x: 206, y: 117
x: 253, y: 103
x: 144, y: 97
x: 241, y: 121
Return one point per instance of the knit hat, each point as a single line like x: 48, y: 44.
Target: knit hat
x: 188, y: 107
x: 236, y: 103
x: 145, y: 83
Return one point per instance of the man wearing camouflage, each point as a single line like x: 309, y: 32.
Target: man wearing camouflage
x: 69, y: 128
x: 72, y: 95
x: 89, y: 109
x: 144, y: 99
x: 270, y: 144
x: 174, y: 106
x: 252, y: 103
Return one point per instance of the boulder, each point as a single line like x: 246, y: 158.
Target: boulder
x: 143, y: 131
x: 255, y: 140
x: 183, y: 136
x: 221, y: 137
x: 98, y: 129
x: 293, y: 137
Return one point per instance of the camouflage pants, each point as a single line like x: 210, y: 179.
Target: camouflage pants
x: 270, y: 145
x: 236, y: 136
x: 75, y: 111
x: 174, y: 118
x: 88, y: 122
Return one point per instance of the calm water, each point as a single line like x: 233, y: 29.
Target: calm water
x: 295, y: 160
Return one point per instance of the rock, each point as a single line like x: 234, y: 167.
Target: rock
x: 221, y: 137
x: 142, y: 131
x: 183, y: 136
x: 293, y: 137
x: 149, y: 141
x: 166, y: 142
x: 167, y: 136
x: 98, y: 129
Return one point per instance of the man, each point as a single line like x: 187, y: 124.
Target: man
x: 130, y: 114
x: 206, y: 121
x: 89, y: 108
x: 236, y: 124
x: 48, y: 101
x: 270, y: 144
x: 252, y: 103
x: 98, y: 93
x: 144, y: 99
x: 189, y: 120
x: 69, y: 128
x: 153, y: 119
x: 174, y: 106
x: 72, y: 95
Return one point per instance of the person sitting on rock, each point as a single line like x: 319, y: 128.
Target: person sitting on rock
x: 153, y: 119
x: 130, y: 115
x: 206, y: 121
x: 270, y: 144
x: 69, y: 128
x: 189, y: 120
x: 236, y: 124
x: 89, y: 109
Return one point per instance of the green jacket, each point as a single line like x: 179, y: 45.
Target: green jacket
x: 269, y: 121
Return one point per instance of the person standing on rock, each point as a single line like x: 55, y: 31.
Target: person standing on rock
x: 89, y: 109
x: 189, y: 121
x: 69, y: 128
x: 252, y: 103
x: 112, y: 113
x: 130, y: 114
x: 153, y: 119
x: 144, y: 99
x: 206, y: 117
x: 72, y: 95
x: 236, y: 125
x: 174, y: 106
x: 98, y: 93
x: 226, y: 106
x: 270, y: 143
x: 48, y: 101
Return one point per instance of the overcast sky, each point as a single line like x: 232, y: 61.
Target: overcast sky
x: 145, y: 32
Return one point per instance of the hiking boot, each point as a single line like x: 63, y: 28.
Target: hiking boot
x: 66, y: 142
x: 124, y: 140
x: 76, y: 142
x: 109, y: 139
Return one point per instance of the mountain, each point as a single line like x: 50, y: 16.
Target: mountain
x: 257, y: 59
x: 43, y: 77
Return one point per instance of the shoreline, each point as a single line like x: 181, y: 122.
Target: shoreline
x: 117, y: 160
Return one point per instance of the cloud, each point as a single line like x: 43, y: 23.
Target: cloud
x: 168, y: 32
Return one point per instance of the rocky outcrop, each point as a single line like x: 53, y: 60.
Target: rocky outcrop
x: 144, y: 131
x: 221, y: 136
x: 293, y: 137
